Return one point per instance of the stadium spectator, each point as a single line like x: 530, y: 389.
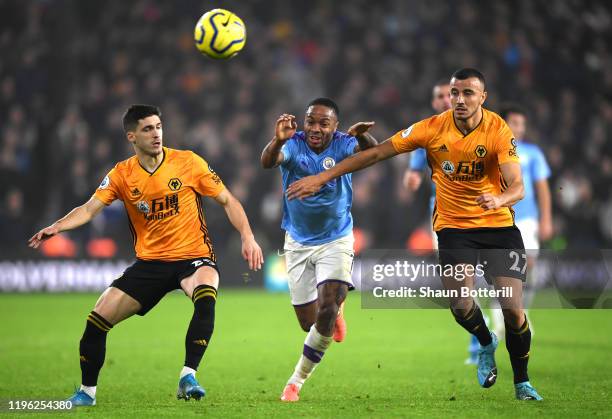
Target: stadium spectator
x: 62, y: 92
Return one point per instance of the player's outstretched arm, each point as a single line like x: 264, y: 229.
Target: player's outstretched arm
x: 75, y: 218
x: 285, y: 128
x: 511, y: 173
x: 251, y: 251
x: 365, y: 140
x: 310, y: 185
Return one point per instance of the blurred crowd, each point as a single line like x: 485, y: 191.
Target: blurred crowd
x: 70, y: 68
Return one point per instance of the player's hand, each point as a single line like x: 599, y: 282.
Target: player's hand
x: 285, y: 127
x: 489, y: 201
x: 359, y: 128
x: 303, y: 188
x: 412, y: 180
x: 42, y: 235
x: 251, y: 252
x: 545, y: 229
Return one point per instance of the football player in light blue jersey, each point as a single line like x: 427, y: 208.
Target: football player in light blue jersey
x: 319, y: 229
x: 533, y: 214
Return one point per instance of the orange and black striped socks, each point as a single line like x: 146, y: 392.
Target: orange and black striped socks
x: 92, y: 348
x: 201, y: 326
x: 474, y: 323
x: 518, y: 343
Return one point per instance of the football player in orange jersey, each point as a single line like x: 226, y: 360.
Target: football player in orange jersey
x: 478, y: 178
x: 413, y: 177
x: 161, y: 190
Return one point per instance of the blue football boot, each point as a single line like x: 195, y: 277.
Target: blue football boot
x: 80, y: 398
x: 487, y: 370
x: 189, y: 388
x: 525, y: 391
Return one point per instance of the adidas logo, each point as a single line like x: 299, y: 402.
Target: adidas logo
x: 135, y: 192
x: 443, y: 148
x: 83, y: 359
x: 201, y: 342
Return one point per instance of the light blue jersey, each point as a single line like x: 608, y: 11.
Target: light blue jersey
x: 326, y: 216
x: 534, y: 169
x: 418, y: 162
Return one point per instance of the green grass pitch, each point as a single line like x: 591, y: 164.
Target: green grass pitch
x: 394, y: 363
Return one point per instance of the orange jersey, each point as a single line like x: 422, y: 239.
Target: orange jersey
x: 164, y: 207
x: 463, y: 167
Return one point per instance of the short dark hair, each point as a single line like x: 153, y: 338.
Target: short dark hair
x: 507, y: 108
x: 327, y: 102
x: 466, y: 73
x: 137, y: 112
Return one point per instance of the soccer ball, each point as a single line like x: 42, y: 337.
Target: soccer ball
x: 220, y: 34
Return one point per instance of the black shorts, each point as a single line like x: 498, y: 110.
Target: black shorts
x: 147, y: 281
x: 499, y: 251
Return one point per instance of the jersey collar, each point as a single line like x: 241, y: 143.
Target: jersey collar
x: 164, y: 151
x: 472, y: 130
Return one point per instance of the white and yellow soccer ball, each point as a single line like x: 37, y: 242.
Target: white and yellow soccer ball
x: 220, y: 34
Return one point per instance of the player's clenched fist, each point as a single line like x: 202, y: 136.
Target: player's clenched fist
x: 489, y: 201
x: 285, y: 127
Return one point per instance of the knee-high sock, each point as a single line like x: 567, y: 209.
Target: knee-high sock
x: 315, y: 346
x: 474, y: 323
x: 92, y: 348
x: 518, y: 343
x: 201, y: 326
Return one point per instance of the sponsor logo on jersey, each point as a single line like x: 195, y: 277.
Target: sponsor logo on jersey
x: 448, y: 167
x: 512, y: 152
x: 215, y: 176
x: 143, y: 206
x: 328, y: 163
x: 467, y: 171
x: 105, y: 183
x: 159, y: 208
